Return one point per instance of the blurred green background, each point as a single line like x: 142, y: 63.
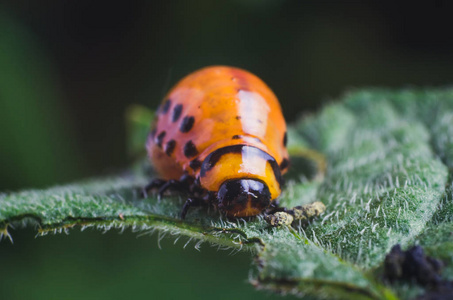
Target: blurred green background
x: 69, y: 70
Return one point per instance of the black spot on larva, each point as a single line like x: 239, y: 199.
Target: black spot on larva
x: 187, y: 124
x: 236, y: 137
x: 195, y: 164
x: 238, y: 117
x: 190, y: 150
x: 276, y: 168
x: 170, y: 147
x: 160, y: 138
x: 212, y: 159
x: 166, y: 106
x: 285, y: 139
x: 284, y: 164
x: 176, y: 112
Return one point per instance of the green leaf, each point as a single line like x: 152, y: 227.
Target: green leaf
x: 380, y: 160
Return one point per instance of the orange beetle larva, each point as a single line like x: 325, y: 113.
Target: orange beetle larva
x: 220, y: 136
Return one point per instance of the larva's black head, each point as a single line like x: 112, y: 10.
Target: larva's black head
x: 243, y: 197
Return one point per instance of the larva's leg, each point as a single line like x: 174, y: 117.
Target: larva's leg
x: 155, y: 183
x: 191, y: 202
x: 182, y: 185
x: 174, y: 185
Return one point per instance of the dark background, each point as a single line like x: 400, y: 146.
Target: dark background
x: 69, y: 70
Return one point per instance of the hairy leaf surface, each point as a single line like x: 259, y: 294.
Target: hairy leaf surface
x: 380, y: 160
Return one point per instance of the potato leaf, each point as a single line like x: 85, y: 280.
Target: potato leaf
x: 380, y: 160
